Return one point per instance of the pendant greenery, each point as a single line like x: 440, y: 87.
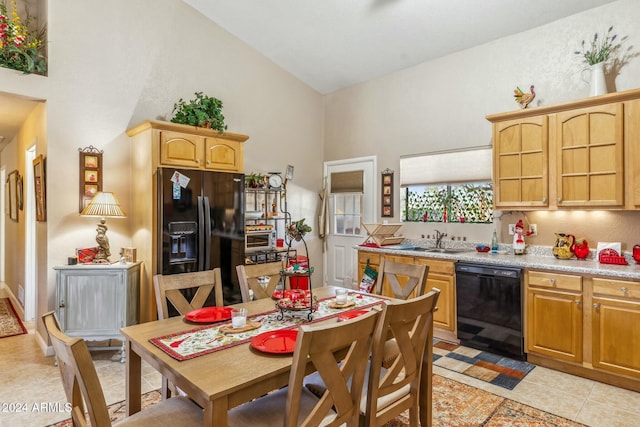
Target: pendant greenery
x: 203, y: 111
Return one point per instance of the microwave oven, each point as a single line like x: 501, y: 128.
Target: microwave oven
x: 258, y: 240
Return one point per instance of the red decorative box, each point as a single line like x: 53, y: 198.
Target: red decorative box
x: 611, y: 256
x: 87, y: 255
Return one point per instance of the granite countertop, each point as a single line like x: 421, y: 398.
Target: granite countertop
x: 539, y: 257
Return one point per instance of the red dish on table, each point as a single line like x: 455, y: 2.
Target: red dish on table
x: 276, y: 342
x: 292, y: 294
x: 209, y: 314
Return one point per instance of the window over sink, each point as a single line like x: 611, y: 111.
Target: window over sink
x: 461, y: 203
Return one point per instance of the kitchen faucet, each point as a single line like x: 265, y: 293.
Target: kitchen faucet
x: 439, y: 237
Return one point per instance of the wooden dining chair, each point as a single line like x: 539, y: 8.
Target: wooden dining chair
x: 336, y: 351
x: 406, y: 382
x: 168, y: 289
x: 248, y: 276
x: 404, y: 280
x: 82, y: 387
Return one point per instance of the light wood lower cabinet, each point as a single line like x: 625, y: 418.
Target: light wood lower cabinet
x: 584, y: 325
x: 441, y: 276
x: 554, y: 319
x: 616, y: 326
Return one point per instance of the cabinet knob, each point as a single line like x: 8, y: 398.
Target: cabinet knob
x: 61, y: 305
x: 208, y: 162
x: 624, y: 290
x: 559, y: 199
x: 553, y: 281
x: 197, y: 160
x: 544, y: 200
x: 577, y: 302
x: 596, y: 305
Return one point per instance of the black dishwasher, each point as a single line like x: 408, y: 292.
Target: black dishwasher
x: 489, y: 308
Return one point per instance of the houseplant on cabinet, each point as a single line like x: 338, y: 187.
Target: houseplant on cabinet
x: 203, y: 111
x: 595, y: 54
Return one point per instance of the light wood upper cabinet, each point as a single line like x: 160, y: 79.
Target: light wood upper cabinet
x: 193, y: 147
x: 180, y: 149
x: 223, y: 154
x: 592, y: 157
x: 590, y: 169
x: 520, y: 162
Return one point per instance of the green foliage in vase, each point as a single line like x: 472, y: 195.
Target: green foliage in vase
x: 21, y: 47
x: 203, y: 111
x: 599, y: 49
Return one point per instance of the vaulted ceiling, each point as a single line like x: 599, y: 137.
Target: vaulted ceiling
x: 333, y: 44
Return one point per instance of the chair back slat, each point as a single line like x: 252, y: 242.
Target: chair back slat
x: 337, y: 352
x: 79, y: 376
x: 405, y: 280
x: 168, y: 289
x: 410, y: 324
x: 248, y: 276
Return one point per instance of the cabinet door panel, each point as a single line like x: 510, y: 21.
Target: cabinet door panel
x: 521, y: 162
x: 221, y: 154
x: 616, y: 336
x: 92, y: 303
x: 179, y: 149
x: 590, y: 156
x: 554, y: 324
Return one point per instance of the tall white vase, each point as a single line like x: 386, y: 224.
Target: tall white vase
x: 598, y: 83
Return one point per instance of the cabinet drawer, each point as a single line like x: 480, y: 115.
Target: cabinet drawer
x: 555, y: 281
x: 374, y: 259
x: 435, y: 266
x: 616, y: 288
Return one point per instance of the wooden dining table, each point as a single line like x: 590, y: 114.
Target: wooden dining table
x: 223, y: 379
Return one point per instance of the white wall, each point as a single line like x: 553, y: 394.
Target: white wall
x: 114, y: 64
x: 442, y: 104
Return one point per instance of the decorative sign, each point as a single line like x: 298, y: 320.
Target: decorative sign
x: 39, y: 187
x: 90, y: 174
x: 387, y: 193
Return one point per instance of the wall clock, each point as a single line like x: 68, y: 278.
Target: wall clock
x: 275, y: 180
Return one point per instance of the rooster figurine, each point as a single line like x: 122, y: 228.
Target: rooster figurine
x: 522, y: 98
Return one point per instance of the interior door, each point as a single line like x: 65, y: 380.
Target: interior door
x: 346, y: 212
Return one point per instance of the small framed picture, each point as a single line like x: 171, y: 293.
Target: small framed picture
x: 90, y: 190
x: 387, y: 193
x: 91, y: 162
x: 90, y: 174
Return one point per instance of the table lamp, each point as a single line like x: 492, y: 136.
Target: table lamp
x: 103, y: 205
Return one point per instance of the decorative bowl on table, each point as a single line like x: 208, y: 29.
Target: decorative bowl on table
x: 483, y: 248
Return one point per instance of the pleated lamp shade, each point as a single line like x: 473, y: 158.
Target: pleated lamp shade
x: 104, y: 204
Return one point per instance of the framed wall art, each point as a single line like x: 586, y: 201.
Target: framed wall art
x: 12, y: 192
x: 387, y: 193
x: 39, y: 187
x: 90, y: 174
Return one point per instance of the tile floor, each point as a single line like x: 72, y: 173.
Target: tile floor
x: 31, y: 392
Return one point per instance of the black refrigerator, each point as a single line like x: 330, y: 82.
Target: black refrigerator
x: 201, y: 225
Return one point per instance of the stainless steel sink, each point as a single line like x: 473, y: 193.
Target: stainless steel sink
x: 443, y: 250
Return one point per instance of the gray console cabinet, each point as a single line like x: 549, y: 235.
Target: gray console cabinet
x: 93, y: 301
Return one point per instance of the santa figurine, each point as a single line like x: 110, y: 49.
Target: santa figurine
x: 518, y: 238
